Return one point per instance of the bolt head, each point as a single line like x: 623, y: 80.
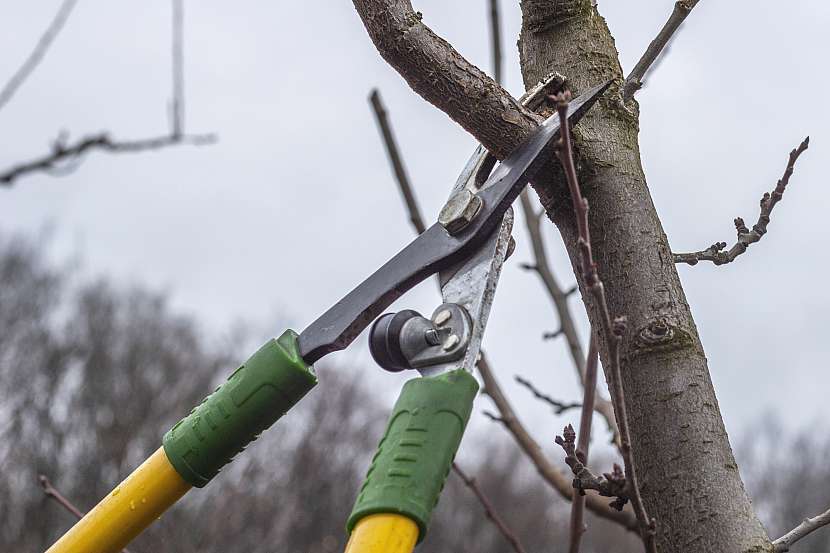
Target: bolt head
x: 459, y: 211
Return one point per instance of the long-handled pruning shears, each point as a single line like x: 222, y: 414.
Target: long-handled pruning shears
x: 466, y: 247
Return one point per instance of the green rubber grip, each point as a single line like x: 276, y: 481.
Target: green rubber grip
x: 251, y: 400
x: 415, y: 454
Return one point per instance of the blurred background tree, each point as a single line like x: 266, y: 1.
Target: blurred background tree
x: 91, y: 373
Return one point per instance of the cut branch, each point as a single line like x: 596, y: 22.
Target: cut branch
x: 634, y: 81
x: 489, y: 510
x: 809, y: 526
x: 62, y: 152
x: 36, y: 56
x: 612, y: 330
x: 396, y: 162
x: 715, y: 253
x: 442, y: 76
x: 50, y: 491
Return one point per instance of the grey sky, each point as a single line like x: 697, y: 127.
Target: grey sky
x: 296, y: 203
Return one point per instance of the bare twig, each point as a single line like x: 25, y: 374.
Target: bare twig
x: 584, y: 441
x: 533, y: 451
x: 63, y: 157
x: 634, y: 81
x: 559, y: 297
x: 611, y: 484
x: 72, y: 152
x: 715, y: 253
x: 50, y: 491
x: 808, y: 526
x: 177, y: 101
x: 36, y: 55
x: 397, y: 164
x: 541, y: 266
x: 559, y: 407
x: 495, y: 39
x: 612, y: 330
x: 489, y: 510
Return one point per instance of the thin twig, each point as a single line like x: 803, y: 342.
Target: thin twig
x: 36, y: 55
x: 611, y: 484
x: 542, y: 267
x: 559, y: 407
x: 64, y: 158
x: 634, y: 81
x: 397, y: 164
x: 808, y: 526
x: 489, y: 510
x: 715, y: 253
x: 177, y: 101
x: 495, y: 39
x: 50, y: 491
x: 559, y: 297
x: 532, y: 449
x: 62, y: 152
x: 612, y: 330
x: 584, y: 441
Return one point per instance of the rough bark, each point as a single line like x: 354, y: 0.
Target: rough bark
x: 689, y: 477
x: 688, y: 474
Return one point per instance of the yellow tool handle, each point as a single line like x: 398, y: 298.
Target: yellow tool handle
x: 383, y: 533
x: 127, y: 510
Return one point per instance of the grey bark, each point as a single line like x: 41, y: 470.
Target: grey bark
x: 688, y: 474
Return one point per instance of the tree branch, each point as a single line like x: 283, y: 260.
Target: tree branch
x: 489, y: 510
x: 72, y: 153
x: 397, y: 164
x: 611, y: 484
x: 559, y: 407
x: 559, y: 297
x: 50, y: 491
x: 807, y: 527
x: 437, y: 72
x: 613, y: 330
x: 583, y: 443
x: 634, y: 81
x: 746, y: 237
x: 67, y: 152
x: 533, y: 451
x: 177, y: 101
x: 495, y: 39
x: 35, y: 57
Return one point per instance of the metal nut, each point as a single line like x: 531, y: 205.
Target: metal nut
x: 459, y: 211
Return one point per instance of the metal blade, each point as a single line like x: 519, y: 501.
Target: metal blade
x: 436, y: 249
x: 473, y: 286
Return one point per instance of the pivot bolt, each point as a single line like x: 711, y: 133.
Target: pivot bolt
x: 459, y: 211
x: 442, y: 317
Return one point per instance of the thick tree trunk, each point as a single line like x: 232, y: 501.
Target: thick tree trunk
x: 687, y: 472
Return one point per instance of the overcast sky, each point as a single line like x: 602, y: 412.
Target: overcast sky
x: 296, y: 203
